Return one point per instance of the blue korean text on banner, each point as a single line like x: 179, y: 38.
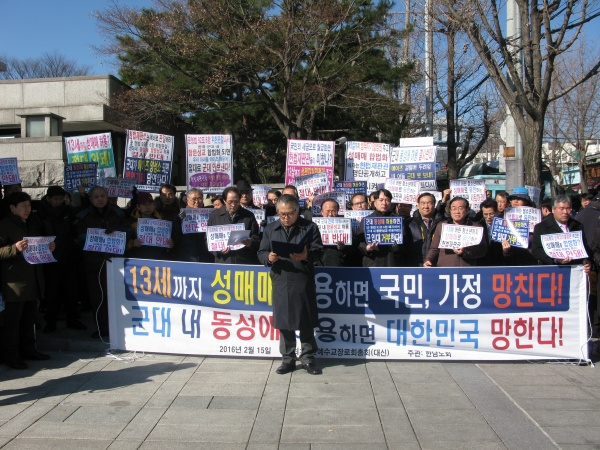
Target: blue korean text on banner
x: 413, y: 163
x: 81, y: 174
x: 515, y: 232
x: 148, y: 159
x: 351, y: 188
x: 93, y: 148
x: 383, y: 230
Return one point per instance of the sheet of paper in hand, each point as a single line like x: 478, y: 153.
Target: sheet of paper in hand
x: 383, y: 230
x: 37, y: 251
x: 96, y: 240
x: 357, y: 217
x: 403, y: 191
x: 218, y: 236
x: 9, y: 171
x: 524, y: 213
x: 460, y: 236
x: 118, y: 187
x: 195, y: 220
x: 334, y: 230
x: 564, y: 245
x: 154, y: 232
x: 236, y: 237
x: 516, y: 233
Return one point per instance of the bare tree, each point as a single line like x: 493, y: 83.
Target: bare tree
x: 48, y: 65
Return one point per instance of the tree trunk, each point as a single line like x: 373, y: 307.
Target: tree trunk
x: 532, y: 151
x: 583, y: 175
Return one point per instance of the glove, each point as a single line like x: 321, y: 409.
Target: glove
x: 263, y: 223
x: 341, y: 246
x: 395, y: 247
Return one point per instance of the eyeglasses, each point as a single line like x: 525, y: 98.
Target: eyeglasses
x: 458, y: 208
x: 359, y: 203
x: 290, y: 214
x: 195, y: 200
x: 232, y: 202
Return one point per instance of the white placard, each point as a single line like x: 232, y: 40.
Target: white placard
x: 195, y: 220
x: 259, y: 194
x: 460, y: 236
x: 118, y: 187
x: 357, y: 217
x: 334, y: 230
x: 338, y: 196
x: 313, y: 184
x: 96, y: 240
x: 367, y: 161
x: 532, y: 215
x: 9, y: 171
x: 564, y: 245
x: 534, y: 194
x: 154, y: 232
x: 209, y: 159
x: 37, y: 251
x: 472, y: 190
x: 403, y: 191
x: 218, y: 235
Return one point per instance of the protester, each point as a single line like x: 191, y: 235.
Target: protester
x: 8, y: 190
x: 272, y: 196
x: 191, y: 247
x: 58, y: 220
x: 403, y: 210
x: 559, y: 222
x: 245, y: 190
x: 520, y: 197
x: 358, y: 202
x: 294, y: 292
x: 546, y: 207
x: 375, y: 255
x: 585, y: 200
x: 291, y: 190
x: 234, y: 213
x: 422, y: 226
x: 145, y: 209
x: 372, y: 198
x: 589, y: 217
x: 496, y: 251
x: 110, y: 218
x: 166, y: 204
x: 444, y: 257
x: 502, y: 200
x: 333, y: 255
x: 218, y: 202
x: 22, y: 283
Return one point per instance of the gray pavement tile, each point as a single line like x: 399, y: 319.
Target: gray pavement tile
x: 201, y: 433
x: 144, y: 366
x: 590, y: 404
x: 191, y: 402
x: 142, y: 387
x: 593, y: 392
x: 300, y: 376
x: 228, y: 402
x: 64, y: 389
x: 208, y: 417
x: 266, y: 446
x: 420, y: 402
x: 338, y: 434
x: 575, y: 435
x: 240, y: 367
x: 125, y: 445
x: 142, y: 424
x: 220, y: 389
x: 414, y: 377
x: 267, y: 427
x: 57, y: 430
x: 132, y: 376
x: 7, y: 412
x: 462, y: 445
x: 183, y: 374
x: 94, y: 366
x: 319, y: 403
x: 23, y: 420
x: 517, y: 380
x: 357, y: 390
x: 178, y: 445
x: 415, y: 367
x: 521, y: 368
x: 447, y: 416
x: 60, y: 413
x: 21, y: 443
x: 28, y: 384
x: 119, y: 397
x: 454, y: 432
x: 579, y: 447
x: 553, y: 392
x: 397, y: 426
x: 438, y: 390
x: 359, y: 447
x: 342, y: 367
x: 274, y: 396
x: 578, y: 377
x: 103, y: 414
x: 166, y: 393
x: 565, y: 418
x: 230, y: 377
x: 328, y: 417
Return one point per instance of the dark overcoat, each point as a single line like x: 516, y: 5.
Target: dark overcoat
x: 294, y: 293
x: 550, y: 226
x: 189, y: 247
x: 445, y: 257
x: 386, y: 255
x: 246, y: 255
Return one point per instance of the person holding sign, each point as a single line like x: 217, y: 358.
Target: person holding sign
x: 333, y: 256
x: 22, y: 283
x: 191, y: 247
x: 457, y: 257
x: 166, y: 204
x: 234, y: 213
x: 559, y: 222
x: 145, y: 209
x: 375, y: 255
x: 520, y: 197
x: 422, y: 226
x: 298, y: 242
x: 104, y: 215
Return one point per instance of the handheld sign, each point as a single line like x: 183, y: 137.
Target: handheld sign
x: 472, y: 190
x: 93, y: 148
x: 383, y: 230
x: 516, y: 233
x: 564, y: 245
x: 306, y: 157
x: 81, y: 174
x: 313, y: 184
x: 259, y: 194
x: 414, y: 163
x: 154, y: 232
x: 148, y: 159
x: 334, y: 230
x: 357, y: 217
x: 118, y: 187
x: 209, y: 159
x: 96, y: 240
x: 9, y: 171
x: 524, y: 213
x: 37, y: 251
x: 460, y: 236
x: 534, y: 194
x: 218, y: 236
x: 351, y: 188
x: 259, y: 215
x: 271, y: 219
x: 195, y: 220
x: 403, y: 191
x: 318, y: 201
x: 367, y: 161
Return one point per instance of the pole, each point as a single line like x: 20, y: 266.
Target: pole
x: 428, y: 68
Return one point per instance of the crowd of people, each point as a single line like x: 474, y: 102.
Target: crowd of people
x: 53, y: 288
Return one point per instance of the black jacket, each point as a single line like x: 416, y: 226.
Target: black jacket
x: 549, y: 226
x: 421, y: 236
x: 386, y: 255
x: 189, y: 247
x: 589, y: 217
x: 59, y: 222
x: 246, y: 255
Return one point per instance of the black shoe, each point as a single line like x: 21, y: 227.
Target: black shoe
x: 97, y: 334
x: 49, y: 328
x: 312, y: 369
x: 17, y: 365
x: 286, y: 368
x: 76, y: 325
x: 35, y: 355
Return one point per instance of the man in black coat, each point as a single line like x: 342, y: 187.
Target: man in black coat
x: 422, y: 225
x: 190, y: 247
x: 293, y: 278
x: 589, y: 217
x: 231, y: 213
x: 560, y: 221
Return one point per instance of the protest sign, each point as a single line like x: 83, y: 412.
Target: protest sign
x: 460, y: 236
x: 9, y: 171
x: 209, y: 159
x: 96, y: 240
x: 93, y: 148
x: 428, y: 185
x: 524, y: 213
x: 218, y: 235
x: 367, y: 161
x: 356, y: 216
x: 534, y: 194
x: 195, y: 220
x: 154, y: 232
x: 339, y: 197
x: 259, y: 215
x: 564, y: 245
x: 351, y: 188
x: 414, y: 163
x: 403, y: 191
x: 313, y: 184
x: 119, y: 187
x: 259, y: 194
x: 37, y: 251
x: 383, y: 230
x: 334, y: 230
x: 307, y: 157
x: 81, y: 174
x: 148, y: 159
x: 472, y: 190
x: 271, y: 219
x: 516, y: 233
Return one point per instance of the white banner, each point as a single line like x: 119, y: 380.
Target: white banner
x: 9, y: 171
x: 306, y: 157
x: 460, y: 236
x: 209, y: 160
x: 154, y: 232
x: 564, y: 245
x: 334, y: 230
x: 367, y: 161
x: 357, y: 217
x: 195, y: 220
x: 313, y: 184
x: 472, y: 190
x: 403, y: 191
x: 525, y: 213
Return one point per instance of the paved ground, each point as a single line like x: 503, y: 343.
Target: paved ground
x: 84, y: 400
